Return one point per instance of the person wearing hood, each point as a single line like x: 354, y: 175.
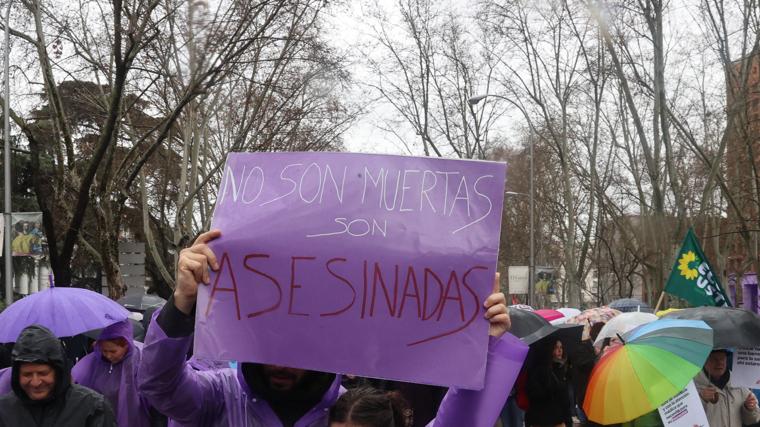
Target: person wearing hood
x: 725, y: 404
x: 43, y: 394
x: 111, y: 369
x: 254, y: 395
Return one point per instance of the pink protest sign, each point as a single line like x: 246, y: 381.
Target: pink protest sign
x: 371, y: 265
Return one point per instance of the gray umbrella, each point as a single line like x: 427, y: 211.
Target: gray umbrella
x: 627, y: 305
x: 141, y: 302
x: 525, y: 322
x: 733, y: 327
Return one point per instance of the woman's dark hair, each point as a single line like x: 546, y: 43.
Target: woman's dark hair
x: 369, y: 407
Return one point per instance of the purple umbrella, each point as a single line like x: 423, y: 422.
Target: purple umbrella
x: 65, y: 311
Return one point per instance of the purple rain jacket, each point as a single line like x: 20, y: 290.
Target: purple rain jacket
x: 223, y: 398
x: 5, y: 381
x: 117, y: 382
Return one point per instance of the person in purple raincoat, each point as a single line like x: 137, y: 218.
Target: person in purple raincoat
x: 260, y: 395
x: 111, y: 369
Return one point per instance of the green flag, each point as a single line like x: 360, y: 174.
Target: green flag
x: 692, y: 277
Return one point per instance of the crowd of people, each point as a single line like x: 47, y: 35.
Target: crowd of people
x: 124, y: 382
x: 555, y: 386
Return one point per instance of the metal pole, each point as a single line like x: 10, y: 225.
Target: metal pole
x: 532, y: 267
x: 7, y: 162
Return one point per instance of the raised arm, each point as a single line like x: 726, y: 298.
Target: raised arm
x: 164, y: 377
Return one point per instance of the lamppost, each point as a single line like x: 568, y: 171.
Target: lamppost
x: 7, y: 162
x: 532, y: 267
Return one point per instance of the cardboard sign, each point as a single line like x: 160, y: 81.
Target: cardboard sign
x: 746, y: 368
x: 365, y: 264
x: 684, y: 409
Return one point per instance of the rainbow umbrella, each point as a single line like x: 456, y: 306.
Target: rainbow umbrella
x: 655, y: 363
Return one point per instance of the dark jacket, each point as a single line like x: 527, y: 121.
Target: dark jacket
x: 583, y: 362
x: 549, y: 395
x: 68, y: 405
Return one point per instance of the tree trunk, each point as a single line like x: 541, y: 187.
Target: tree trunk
x: 108, y: 238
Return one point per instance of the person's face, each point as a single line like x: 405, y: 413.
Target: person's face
x: 558, y: 352
x: 716, y: 364
x: 281, y: 378
x: 37, y: 380
x: 114, y: 350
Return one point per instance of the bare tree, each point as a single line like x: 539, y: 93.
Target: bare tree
x: 428, y: 66
x: 138, y: 70
x: 546, y: 72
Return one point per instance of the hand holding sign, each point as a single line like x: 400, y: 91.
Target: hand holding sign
x: 497, y: 312
x: 192, y: 269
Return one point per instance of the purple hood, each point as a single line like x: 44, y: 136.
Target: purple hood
x: 118, y: 381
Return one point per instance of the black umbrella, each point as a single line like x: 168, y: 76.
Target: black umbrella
x: 543, y: 340
x: 733, y: 327
x: 525, y: 322
x: 568, y: 333
x: 627, y: 305
x: 141, y: 302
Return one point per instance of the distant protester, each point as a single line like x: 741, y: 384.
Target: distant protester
x: 111, y: 369
x: 725, y: 404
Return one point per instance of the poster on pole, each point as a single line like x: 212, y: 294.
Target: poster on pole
x: 546, y: 280
x: 28, y: 238
x: 746, y: 368
x: 684, y: 409
x: 518, y: 279
x: 371, y: 265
